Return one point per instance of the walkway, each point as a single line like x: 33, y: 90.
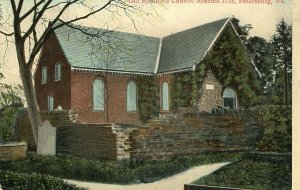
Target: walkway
x: 175, y: 182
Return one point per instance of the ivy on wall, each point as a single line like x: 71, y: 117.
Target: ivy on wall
x: 148, y: 97
x: 183, y: 90
x: 232, y: 67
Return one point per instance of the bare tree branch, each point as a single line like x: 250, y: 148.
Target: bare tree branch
x: 13, y: 6
x: 85, y: 16
x: 6, y: 34
x: 31, y: 10
x: 20, y: 6
x: 57, y: 4
x: 36, y: 20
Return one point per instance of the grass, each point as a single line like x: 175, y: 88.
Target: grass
x: 123, y: 172
x: 249, y: 173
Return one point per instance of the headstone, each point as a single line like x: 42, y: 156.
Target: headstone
x: 46, y: 139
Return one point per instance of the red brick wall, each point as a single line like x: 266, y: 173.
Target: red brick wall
x: 89, y: 141
x: 210, y: 98
x: 82, y: 103
x: 60, y: 90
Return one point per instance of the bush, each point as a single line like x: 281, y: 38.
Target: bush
x: 123, y: 172
x: 275, y: 120
x: 250, y: 174
x: 7, y: 119
x: 17, y: 181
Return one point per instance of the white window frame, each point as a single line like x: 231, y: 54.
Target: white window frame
x: 233, y: 97
x: 131, y: 97
x: 50, y: 103
x: 95, y: 97
x: 44, y: 74
x: 58, y: 71
x: 165, y: 100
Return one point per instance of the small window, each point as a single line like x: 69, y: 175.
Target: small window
x: 44, y: 75
x: 98, y: 95
x: 229, y: 98
x: 50, y: 103
x: 57, y: 72
x: 131, y: 96
x: 165, y: 96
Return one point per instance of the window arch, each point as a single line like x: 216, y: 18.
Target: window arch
x: 131, y: 96
x: 229, y: 98
x: 98, y: 95
x: 165, y: 96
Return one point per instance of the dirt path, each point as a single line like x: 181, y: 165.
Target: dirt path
x: 175, y: 182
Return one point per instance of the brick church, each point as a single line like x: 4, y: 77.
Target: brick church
x: 97, y: 77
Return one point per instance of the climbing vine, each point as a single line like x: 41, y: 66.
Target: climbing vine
x: 183, y: 90
x: 148, y: 98
x: 231, y: 66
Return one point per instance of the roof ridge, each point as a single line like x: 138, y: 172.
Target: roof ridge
x: 111, y: 30
x: 143, y: 35
x: 225, y: 19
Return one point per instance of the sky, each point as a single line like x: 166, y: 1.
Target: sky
x: 167, y: 18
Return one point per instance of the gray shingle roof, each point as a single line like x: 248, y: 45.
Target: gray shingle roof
x: 116, y: 51
x: 184, y: 49
x: 134, y: 53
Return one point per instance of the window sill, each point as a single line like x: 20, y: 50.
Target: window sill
x: 132, y: 111
x: 98, y: 111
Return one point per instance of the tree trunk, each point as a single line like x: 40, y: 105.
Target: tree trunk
x: 26, y: 77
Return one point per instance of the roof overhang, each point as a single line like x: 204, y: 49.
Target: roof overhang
x: 110, y: 71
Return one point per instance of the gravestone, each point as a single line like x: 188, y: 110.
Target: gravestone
x: 46, y: 139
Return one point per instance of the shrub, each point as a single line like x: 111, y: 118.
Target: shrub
x: 250, y: 174
x: 17, y: 181
x: 123, y: 172
x: 7, y: 119
x: 275, y: 120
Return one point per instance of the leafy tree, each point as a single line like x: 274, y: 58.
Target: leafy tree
x: 243, y: 31
x: 282, y: 42
x: 32, y: 25
x: 261, y: 52
x: 10, y: 96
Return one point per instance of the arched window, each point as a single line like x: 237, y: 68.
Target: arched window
x: 44, y: 75
x: 229, y: 98
x: 165, y: 96
x: 57, y: 71
x: 98, y: 95
x: 131, y: 96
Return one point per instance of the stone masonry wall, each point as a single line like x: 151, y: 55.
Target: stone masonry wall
x: 211, y: 93
x: 166, y: 138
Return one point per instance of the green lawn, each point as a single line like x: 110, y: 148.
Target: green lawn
x: 125, y: 172
x: 258, y: 174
